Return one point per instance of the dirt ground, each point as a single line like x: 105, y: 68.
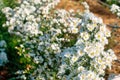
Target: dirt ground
x: 95, y: 7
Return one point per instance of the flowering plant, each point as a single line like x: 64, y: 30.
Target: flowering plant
x: 57, y: 43
x: 87, y: 59
x: 115, y: 9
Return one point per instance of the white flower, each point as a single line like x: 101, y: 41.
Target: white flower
x: 100, y: 20
x: 74, y: 30
x: 37, y: 1
x: 67, y: 55
x: 112, y: 54
x: 58, y: 31
x: 55, y: 46
x: 103, y: 28
x: 118, y: 14
x: 103, y: 66
x: 85, y: 5
x: 91, y: 27
x: 23, y: 77
x: 101, y: 71
x: 6, y: 10
x: 92, y: 53
x: 91, y: 75
x: 104, y: 40
x: 79, y: 42
x: 74, y: 59
x: 62, y: 68
x: 81, y: 68
x: 82, y: 76
x: 30, y: 17
x: 64, y: 30
x: 99, y: 60
x: 80, y: 52
x: 107, y: 33
x: 114, y: 8
x: 85, y: 35
x: 99, y: 35
x: 71, y: 10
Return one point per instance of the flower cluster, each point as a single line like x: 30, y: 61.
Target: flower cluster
x: 115, y: 9
x: 26, y: 19
x: 59, y: 44
x: 3, y: 56
x: 87, y: 59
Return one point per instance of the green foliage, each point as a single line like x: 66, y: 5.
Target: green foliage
x: 11, y: 40
x: 110, y: 2
x: 1, y: 4
x: 16, y: 62
x: 10, y: 3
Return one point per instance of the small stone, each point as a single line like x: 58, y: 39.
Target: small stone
x: 3, y: 58
x: 114, y: 77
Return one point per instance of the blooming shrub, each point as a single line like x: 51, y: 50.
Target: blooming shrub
x: 115, y: 9
x: 59, y: 44
x: 87, y: 59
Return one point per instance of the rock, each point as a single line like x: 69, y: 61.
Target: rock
x: 2, y: 78
x: 3, y: 58
x: 2, y: 43
x: 114, y: 77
